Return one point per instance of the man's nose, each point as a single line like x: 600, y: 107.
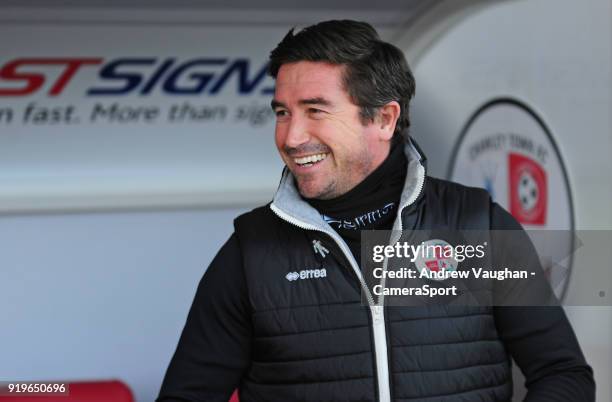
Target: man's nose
x: 297, y: 134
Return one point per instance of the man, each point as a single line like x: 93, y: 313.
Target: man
x: 278, y: 314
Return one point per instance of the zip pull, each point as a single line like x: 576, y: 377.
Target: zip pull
x: 378, y: 314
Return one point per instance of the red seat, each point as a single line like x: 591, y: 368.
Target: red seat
x: 234, y: 397
x: 94, y: 391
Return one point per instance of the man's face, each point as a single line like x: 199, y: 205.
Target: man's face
x: 319, y: 133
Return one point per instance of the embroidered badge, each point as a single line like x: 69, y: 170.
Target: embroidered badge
x: 319, y: 248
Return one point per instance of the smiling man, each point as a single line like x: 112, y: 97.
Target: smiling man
x: 278, y: 314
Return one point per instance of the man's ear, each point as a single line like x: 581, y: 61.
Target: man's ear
x: 387, y: 119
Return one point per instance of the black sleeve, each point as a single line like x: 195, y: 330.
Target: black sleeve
x: 214, y: 348
x: 543, y: 344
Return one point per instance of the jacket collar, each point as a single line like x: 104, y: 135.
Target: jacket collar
x: 289, y: 205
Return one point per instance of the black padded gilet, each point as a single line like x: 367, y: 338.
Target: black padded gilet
x: 312, y: 336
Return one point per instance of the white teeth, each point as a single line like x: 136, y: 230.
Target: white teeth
x: 307, y: 160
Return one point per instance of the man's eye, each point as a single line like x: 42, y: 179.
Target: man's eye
x: 281, y: 113
x: 314, y: 111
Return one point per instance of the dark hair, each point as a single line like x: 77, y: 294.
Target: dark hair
x: 376, y: 71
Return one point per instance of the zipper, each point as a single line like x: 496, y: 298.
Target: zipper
x: 376, y: 310
x: 395, y: 239
x: 382, y: 361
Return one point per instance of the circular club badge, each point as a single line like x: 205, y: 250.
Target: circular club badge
x: 508, y: 150
x: 435, y: 259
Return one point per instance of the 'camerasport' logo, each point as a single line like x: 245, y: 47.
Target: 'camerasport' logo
x: 508, y: 150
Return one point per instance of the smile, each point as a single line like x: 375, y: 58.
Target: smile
x: 310, y: 160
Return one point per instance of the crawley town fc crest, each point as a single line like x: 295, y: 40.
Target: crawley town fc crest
x: 508, y: 150
x: 436, y: 257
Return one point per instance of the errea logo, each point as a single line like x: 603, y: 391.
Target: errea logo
x: 306, y: 274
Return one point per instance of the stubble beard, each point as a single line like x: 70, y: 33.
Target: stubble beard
x: 333, y: 189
